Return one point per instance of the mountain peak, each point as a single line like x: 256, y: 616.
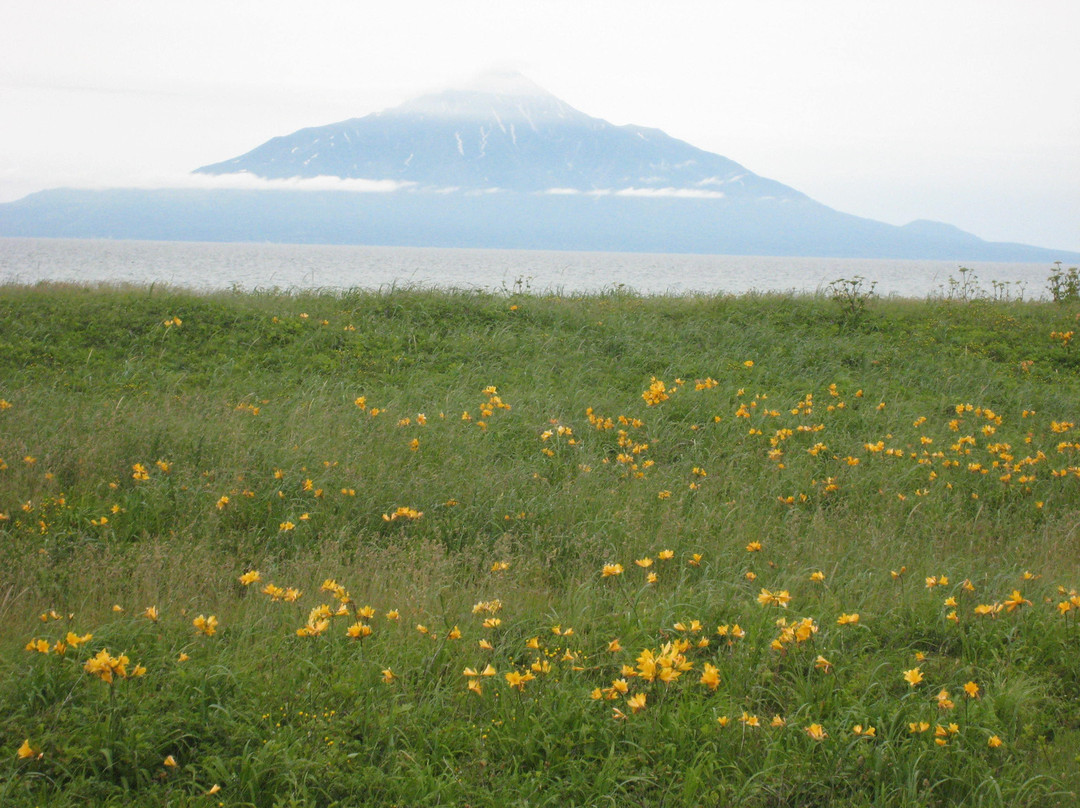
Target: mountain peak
x: 488, y: 98
x: 502, y: 82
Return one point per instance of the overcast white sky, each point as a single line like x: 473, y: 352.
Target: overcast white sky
x: 963, y: 111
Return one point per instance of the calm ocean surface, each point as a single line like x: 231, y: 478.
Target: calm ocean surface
x: 287, y: 266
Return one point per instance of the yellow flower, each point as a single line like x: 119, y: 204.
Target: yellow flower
x: 26, y: 750
x: 778, y: 721
x: 169, y: 762
x: 913, y: 676
x: 251, y: 577
x: 817, y: 577
x: 753, y: 547
x: 666, y: 555
x: 612, y: 569
x: 822, y: 664
x: 1015, y: 600
x: 183, y: 657
x: 652, y: 578
x: 486, y: 645
x: 75, y: 641
x: 644, y: 563
x: 617, y: 686
x: 847, y: 619
x: 403, y: 512
x: 106, y: 667
x: 151, y: 613
x: 358, y: 631
x: 817, y: 732
x: 222, y: 502
x: 972, y: 690
x: 313, y: 628
x: 392, y: 614
x: 994, y: 742
x: 859, y: 732
x: 767, y: 598
x: 518, y: 680
x: 723, y: 720
x: 614, y: 646
x: 388, y: 675
x: 695, y: 560
x: 455, y: 634
x: 637, y: 702
x: 711, y: 677
x: 205, y: 625
x: 750, y: 720
x: 275, y: 592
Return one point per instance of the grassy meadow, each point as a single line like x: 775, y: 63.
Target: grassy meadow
x: 417, y: 547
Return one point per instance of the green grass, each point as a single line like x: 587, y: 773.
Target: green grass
x: 928, y: 438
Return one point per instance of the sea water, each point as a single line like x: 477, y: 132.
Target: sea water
x: 249, y: 267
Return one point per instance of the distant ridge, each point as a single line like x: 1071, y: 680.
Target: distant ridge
x: 501, y: 163
x: 507, y: 220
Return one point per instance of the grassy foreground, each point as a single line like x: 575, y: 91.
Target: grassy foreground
x: 418, y: 548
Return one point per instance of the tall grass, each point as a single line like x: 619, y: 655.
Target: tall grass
x: 160, y: 443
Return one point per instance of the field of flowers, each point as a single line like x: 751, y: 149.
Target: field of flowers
x: 414, y: 548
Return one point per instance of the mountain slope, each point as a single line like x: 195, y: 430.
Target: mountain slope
x: 505, y: 133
